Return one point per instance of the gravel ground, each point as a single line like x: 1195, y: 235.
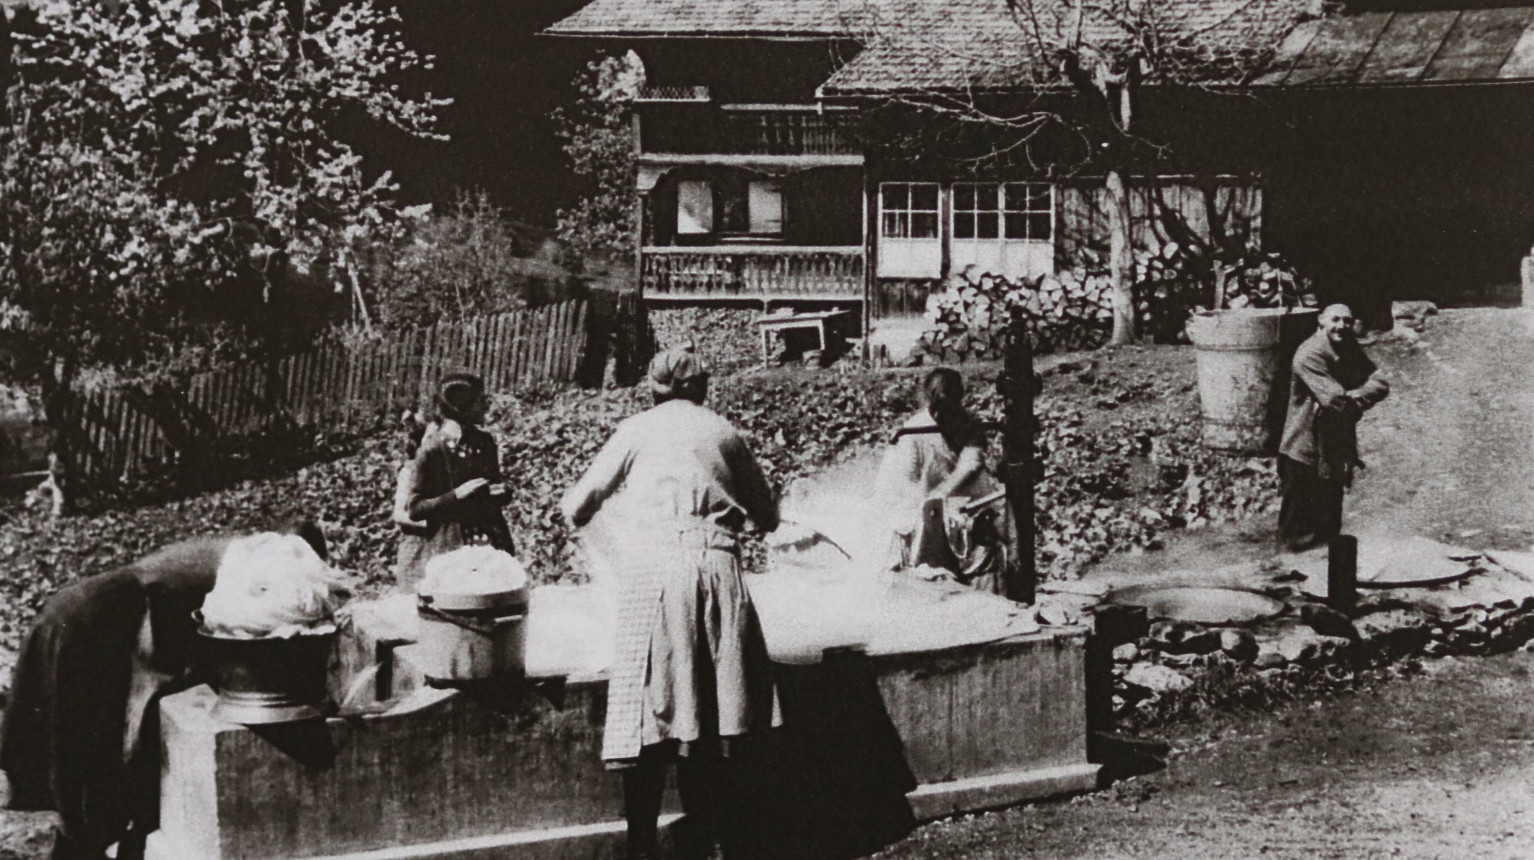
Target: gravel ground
x: 1433, y: 767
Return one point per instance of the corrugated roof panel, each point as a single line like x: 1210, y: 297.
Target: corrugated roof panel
x: 1338, y: 49
x: 1520, y: 63
x: 1289, y: 53
x: 1478, y: 44
x: 1405, y: 48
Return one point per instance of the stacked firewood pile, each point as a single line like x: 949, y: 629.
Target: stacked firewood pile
x: 1072, y: 309
x: 1066, y: 311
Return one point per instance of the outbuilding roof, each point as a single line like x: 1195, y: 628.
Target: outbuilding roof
x: 915, y: 46
x: 1381, y: 48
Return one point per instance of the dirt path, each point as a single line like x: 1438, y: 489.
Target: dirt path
x: 1432, y: 767
x: 1452, y: 450
x: 1450, y: 453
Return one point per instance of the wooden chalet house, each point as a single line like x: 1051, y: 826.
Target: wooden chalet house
x: 769, y: 170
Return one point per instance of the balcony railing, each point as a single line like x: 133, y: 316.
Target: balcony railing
x: 731, y: 272
x: 766, y: 133
x: 654, y: 95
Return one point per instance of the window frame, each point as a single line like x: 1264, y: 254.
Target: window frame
x: 1000, y: 212
x: 905, y: 216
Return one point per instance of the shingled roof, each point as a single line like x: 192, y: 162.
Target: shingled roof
x: 915, y: 46
x: 924, y: 46
x: 710, y: 18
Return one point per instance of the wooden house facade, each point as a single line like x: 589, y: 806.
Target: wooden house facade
x: 768, y: 172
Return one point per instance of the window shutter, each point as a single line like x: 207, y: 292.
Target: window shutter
x: 694, y: 207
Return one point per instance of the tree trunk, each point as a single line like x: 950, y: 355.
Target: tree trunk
x: 1120, y: 260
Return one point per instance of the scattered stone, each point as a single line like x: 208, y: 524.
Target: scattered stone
x: 1301, y: 645
x: 1157, y: 679
x: 1268, y: 660
x: 1053, y: 615
x: 1395, y: 630
x: 1239, y: 644
x: 1126, y: 653
x: 1328, y: 621
x: 1182, y: 661
x: 1196, y: 642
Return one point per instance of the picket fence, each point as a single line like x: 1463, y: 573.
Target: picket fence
x: 333, y: 388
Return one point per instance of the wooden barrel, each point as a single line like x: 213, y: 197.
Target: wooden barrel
x: 1243, y: 374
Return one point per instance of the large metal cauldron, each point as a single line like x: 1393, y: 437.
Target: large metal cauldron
x: 270, y: 680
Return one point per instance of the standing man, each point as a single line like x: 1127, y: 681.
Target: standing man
x: 1334, y: 384
x: 690, y: 671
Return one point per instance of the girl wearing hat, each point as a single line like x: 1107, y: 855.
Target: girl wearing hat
x: 456, y: 487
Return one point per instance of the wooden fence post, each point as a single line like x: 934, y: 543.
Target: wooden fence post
x: 1017, y: 397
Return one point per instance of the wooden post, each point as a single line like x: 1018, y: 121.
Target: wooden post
x: 1017, y: 397
x: 1342, y: 574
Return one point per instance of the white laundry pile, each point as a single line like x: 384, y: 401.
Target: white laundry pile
x: 272, y: 585
x: 473, y: 570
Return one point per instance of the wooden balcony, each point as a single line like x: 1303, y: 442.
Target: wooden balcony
x: 696, y: 132
x: 752, y: 273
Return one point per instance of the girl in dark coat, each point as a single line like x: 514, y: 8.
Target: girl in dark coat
x: 80, y: 734
x: 457, y: 486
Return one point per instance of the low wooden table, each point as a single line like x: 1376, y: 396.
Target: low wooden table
x: 775, y: 324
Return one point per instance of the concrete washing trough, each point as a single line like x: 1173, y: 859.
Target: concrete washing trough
x: 911, y: 702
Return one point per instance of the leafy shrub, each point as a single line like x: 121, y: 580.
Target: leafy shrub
x: 1073, y: 310
x: 466, y: 262
x: 599, y: 142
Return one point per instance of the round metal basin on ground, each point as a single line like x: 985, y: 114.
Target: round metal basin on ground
x: 1199, y: 604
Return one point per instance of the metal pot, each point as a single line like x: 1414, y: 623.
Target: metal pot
x: 270, y: 680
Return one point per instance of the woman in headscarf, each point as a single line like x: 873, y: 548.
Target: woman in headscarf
x: 457, y: 489
x: 690, y: 671
x: 936, y: 456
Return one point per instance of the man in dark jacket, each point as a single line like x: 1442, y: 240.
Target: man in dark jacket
x: 1334, y: 383
x: 80, y: 734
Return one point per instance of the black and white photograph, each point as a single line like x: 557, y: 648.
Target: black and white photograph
x: 766, y: 429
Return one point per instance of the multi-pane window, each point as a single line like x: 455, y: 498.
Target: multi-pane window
x: 908, y: 210
x: 1029, y: 211
x: 1014, y: 210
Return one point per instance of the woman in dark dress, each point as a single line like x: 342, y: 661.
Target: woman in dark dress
x: 457, y: 489
x: 80, y: 735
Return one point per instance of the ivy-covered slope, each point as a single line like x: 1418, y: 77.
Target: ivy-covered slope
x: 1118, y: 435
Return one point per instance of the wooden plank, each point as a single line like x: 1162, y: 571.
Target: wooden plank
x: 495, y: 379
x: 577, y: 341
x: 518, y: 337
x: 1340, y: 46
x: 1520, y: 60
x: 550, y: 344
x: 1478, y: 44
x: 562, y: 348
x: 1406, y: 46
